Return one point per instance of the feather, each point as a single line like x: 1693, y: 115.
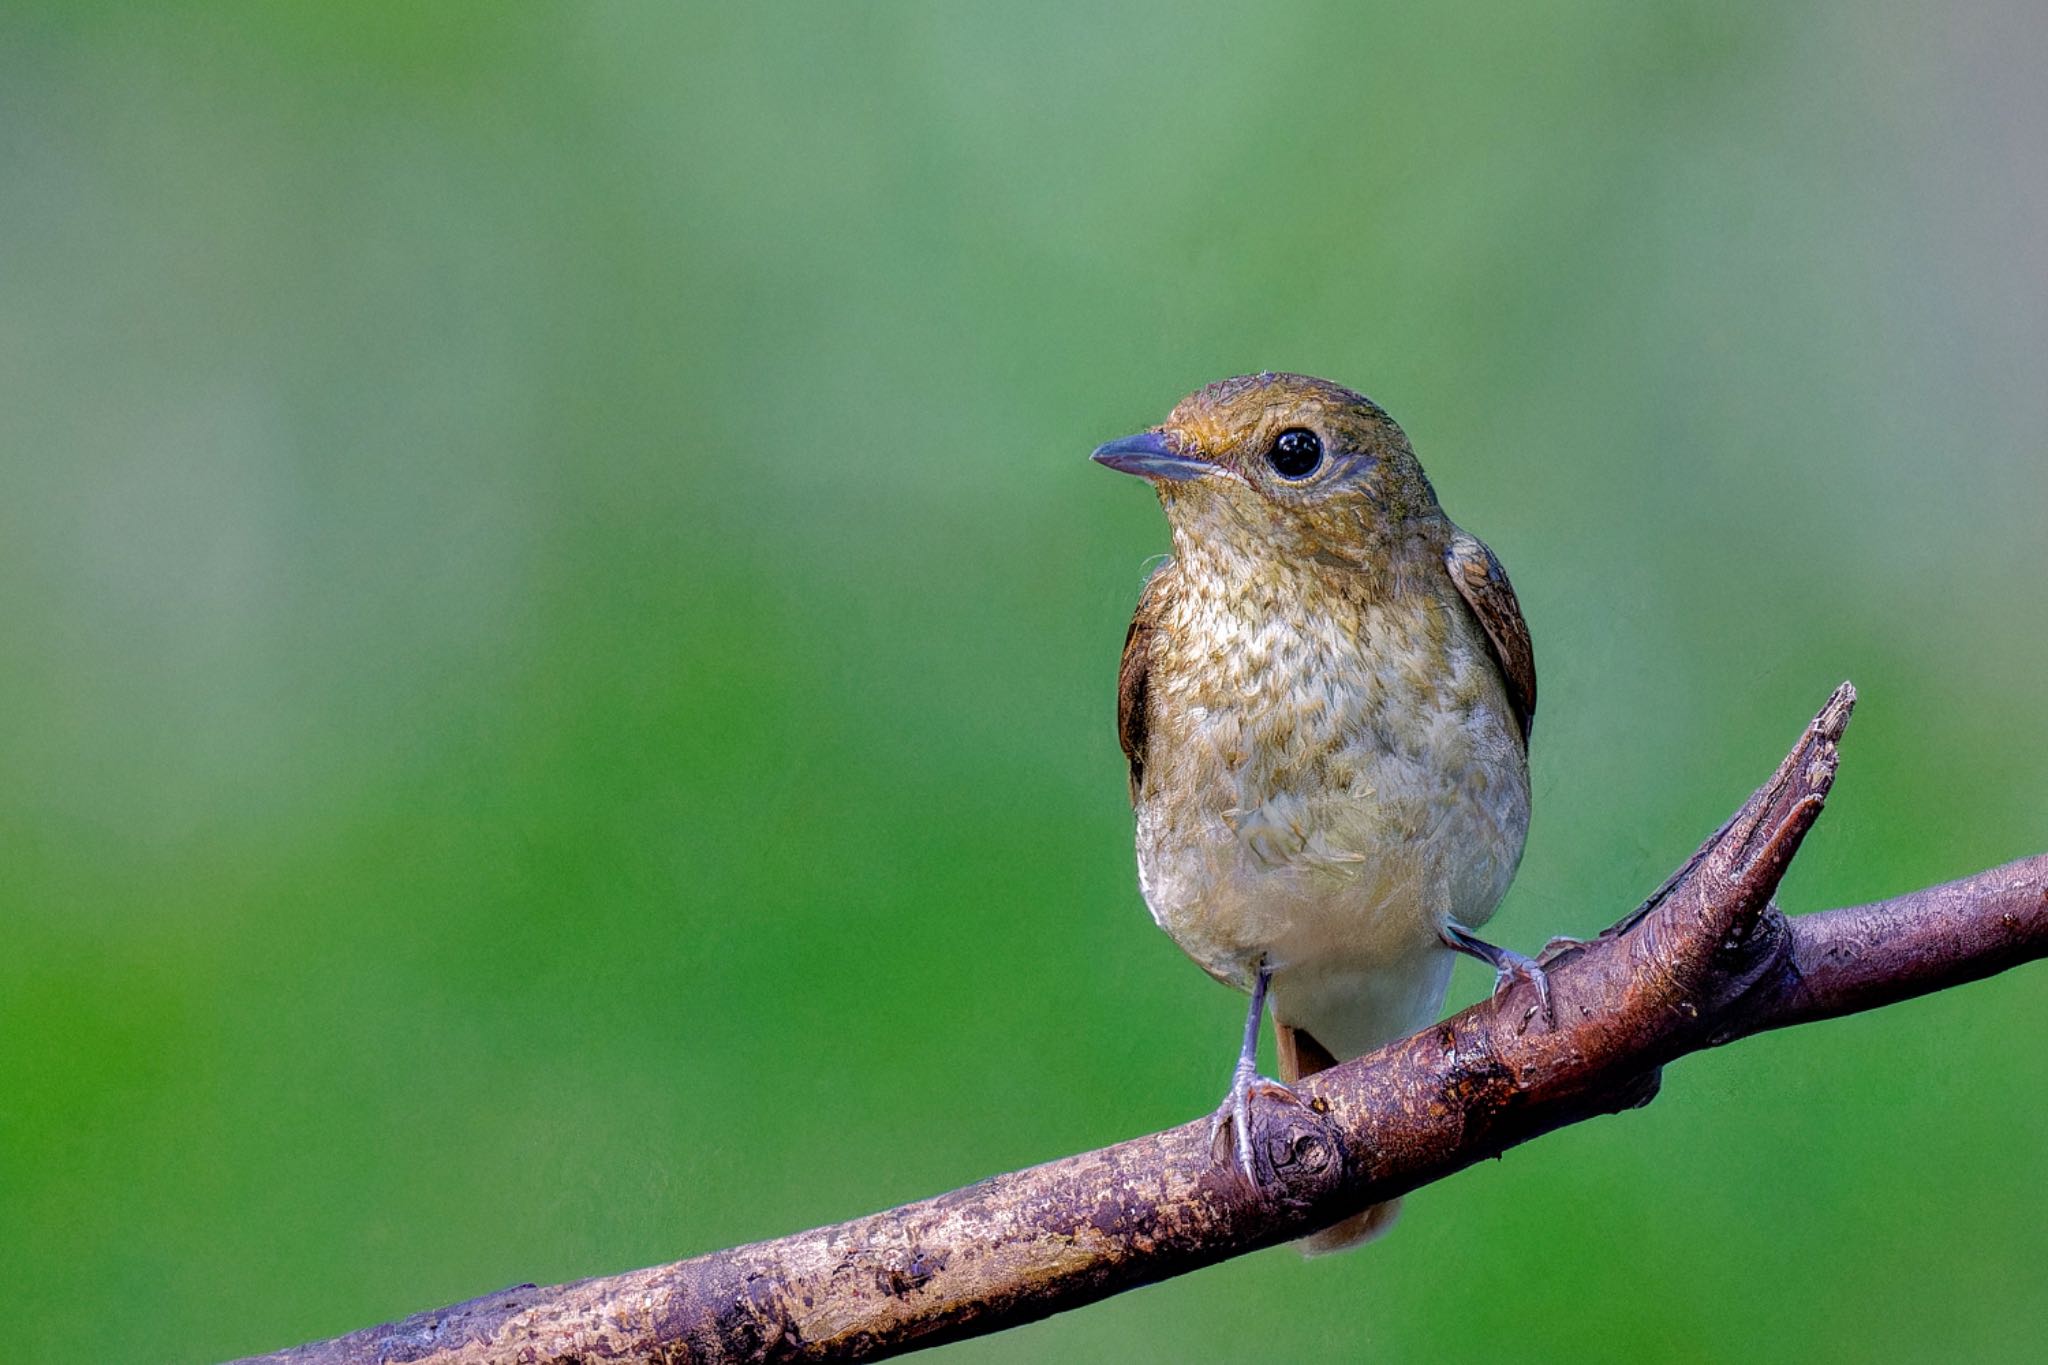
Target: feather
x: 1484, y: 585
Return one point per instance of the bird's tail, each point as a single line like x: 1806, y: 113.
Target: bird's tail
x: 1301, y: 1055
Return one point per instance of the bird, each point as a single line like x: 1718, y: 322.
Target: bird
x: 1324, y: 699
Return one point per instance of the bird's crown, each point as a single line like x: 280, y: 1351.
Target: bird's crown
x: 1295, y: 437
x: 1285, y: 457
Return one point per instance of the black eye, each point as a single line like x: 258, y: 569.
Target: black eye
x: 1296, y: 452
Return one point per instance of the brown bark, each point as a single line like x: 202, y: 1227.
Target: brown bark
x: 1707, y: 960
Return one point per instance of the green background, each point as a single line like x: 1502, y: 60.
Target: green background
x: 556, y: 701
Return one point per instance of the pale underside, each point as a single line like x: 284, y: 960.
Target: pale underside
x: 1325, y: 785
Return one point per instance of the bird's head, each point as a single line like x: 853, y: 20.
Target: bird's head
x: 1281, y: 464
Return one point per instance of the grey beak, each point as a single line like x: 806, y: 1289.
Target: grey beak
x: 1149, y: 457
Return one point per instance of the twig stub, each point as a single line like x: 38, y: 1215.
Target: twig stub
x: 1706, y: 960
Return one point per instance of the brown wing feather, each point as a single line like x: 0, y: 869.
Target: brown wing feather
x: 1133, y: 673
x: 1484, y: 585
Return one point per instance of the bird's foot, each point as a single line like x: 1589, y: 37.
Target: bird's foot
x: 1510, y: 968
x: 1234, y: 1116
x: 1513, y: 969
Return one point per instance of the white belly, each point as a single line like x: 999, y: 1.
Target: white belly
x: 1327, y: 819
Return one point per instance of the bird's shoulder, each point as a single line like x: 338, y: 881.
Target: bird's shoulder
x: 1479, y: 578
x: 1133, y: 676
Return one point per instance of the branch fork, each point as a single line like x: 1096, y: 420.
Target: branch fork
x: 1707, y: 959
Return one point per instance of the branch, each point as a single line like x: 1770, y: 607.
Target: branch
x: 1705, y: 961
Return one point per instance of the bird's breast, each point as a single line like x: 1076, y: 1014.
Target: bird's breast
x: 1327, y: 777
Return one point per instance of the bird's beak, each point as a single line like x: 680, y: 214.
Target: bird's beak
x: 1149, y: 457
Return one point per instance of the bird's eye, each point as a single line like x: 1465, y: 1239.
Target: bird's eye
x: 1296, y: 453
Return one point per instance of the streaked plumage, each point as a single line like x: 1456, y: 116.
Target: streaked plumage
x: 1325, y: 698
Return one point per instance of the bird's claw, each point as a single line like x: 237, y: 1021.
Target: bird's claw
x: 1235, y: 1113
x: 1508, y: 966
x: 1513, y: 968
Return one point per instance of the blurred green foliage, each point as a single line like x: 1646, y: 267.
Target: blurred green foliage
x: 557, y: 699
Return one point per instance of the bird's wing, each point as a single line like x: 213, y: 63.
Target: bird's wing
x: 1484, y: 585
x: 1148, y: 626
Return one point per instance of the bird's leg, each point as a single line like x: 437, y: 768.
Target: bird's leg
x: 1508, y: 966
x: 1236, y: 1112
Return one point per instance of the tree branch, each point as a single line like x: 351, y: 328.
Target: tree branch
x: 1705, y: 961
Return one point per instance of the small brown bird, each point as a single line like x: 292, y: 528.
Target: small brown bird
x: 1325, y: 699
